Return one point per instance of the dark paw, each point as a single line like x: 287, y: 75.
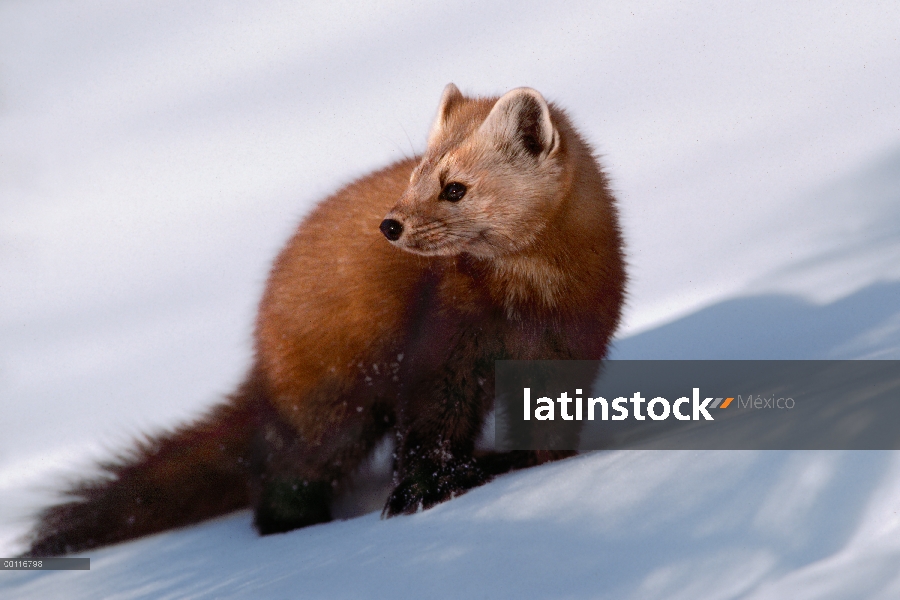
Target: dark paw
x: 287, y: 504
x: 426, y: 487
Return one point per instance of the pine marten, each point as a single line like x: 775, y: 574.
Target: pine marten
x: 384, y: 314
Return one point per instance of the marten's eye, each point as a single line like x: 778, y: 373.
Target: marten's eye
x: 453, y: 192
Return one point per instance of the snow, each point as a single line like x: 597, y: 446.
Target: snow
x: 640, y: 524
x: 155, y: 155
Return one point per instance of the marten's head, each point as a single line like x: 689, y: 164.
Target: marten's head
x: 489, y: 182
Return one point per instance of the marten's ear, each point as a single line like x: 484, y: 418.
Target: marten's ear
x: 451, y: 98
x: 520, y: 122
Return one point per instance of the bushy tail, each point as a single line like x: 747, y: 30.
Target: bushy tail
x: 195, y: 473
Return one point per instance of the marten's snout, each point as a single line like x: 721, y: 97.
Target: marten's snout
x: 391, y: 229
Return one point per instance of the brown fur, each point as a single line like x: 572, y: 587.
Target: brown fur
x: 357, y: 337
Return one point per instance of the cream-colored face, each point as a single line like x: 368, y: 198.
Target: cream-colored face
x: 488, y: 193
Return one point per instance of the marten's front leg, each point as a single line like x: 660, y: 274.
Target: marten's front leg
x: 433, y: 465
x: 440, y: 418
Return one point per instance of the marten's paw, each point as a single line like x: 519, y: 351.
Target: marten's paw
x: 287, y: 504
x: 427, y: 486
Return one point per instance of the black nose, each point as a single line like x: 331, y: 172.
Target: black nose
x: 391, y: 229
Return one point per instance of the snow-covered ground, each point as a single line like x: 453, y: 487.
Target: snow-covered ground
x: 155, y: 155
x: 641, y: 524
